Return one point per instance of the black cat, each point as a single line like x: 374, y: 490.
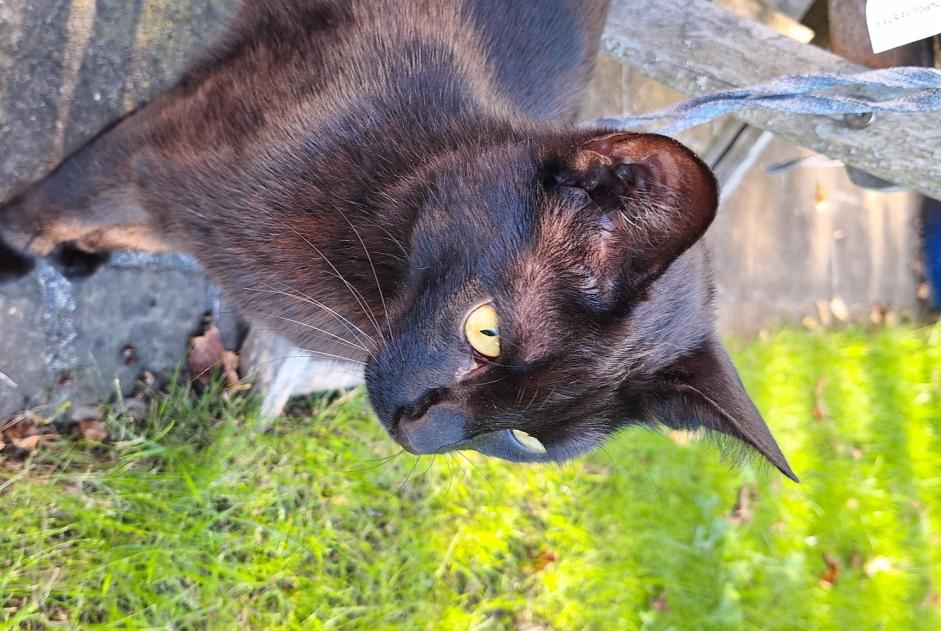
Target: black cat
x: 400, y: 183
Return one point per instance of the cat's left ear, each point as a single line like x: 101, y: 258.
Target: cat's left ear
x: 653, y: 198
x: 704, y: 390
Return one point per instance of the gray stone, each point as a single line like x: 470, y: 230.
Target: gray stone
x: 68, y: 69
x: 130, y: 320
x: 71, y: 68
x: 23, y: 371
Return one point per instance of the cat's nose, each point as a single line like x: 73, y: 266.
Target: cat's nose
x: 440, y: 428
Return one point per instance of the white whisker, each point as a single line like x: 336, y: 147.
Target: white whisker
x: 355, y: 292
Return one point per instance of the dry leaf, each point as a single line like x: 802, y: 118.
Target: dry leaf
x: 23, y: 433
x: 544, y: 558
x: 839, y: 309
x: 29, y: 444
x: 19, y: 426
x: 93, y: 430
x: 832, y: 571
x: 823, y: 312
x: 743, y: 509
x: 820, y: 410
x: 660, y: 602
x: 207, y: 352
x: 230, y: 366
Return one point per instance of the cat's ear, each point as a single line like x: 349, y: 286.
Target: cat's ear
x: 653, y: 199
x: 704, y: 390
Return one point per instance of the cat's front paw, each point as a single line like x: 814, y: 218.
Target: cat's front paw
x: 75, y: 263
x: 13, y: 264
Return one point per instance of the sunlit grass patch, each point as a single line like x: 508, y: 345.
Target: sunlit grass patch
x: 204, y: 517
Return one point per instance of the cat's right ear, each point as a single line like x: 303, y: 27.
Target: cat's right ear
x: 652, y: 199
x: 703, y: 389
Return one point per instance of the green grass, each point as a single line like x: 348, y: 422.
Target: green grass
x: 199, y: 519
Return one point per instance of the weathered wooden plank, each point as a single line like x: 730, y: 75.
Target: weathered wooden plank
x: 736, y: 145
x: 696, y: 47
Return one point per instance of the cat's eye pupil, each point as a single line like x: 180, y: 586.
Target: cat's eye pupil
x: 482, y: 330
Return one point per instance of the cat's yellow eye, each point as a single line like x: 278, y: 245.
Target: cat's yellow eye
x: 530, y: 443
x: 482, y: 330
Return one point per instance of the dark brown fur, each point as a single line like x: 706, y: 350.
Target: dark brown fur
x: 360, y: 174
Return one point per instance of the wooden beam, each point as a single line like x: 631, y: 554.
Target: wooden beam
x: 696, y: 47
x: 736, y: 145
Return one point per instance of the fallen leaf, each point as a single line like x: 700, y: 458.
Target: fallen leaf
x: 93, y: 430
x: 832, y: 571
x: 31, y: 443
x: 23, y: 433
x: 660, y: 602
x: 205, y: 352
x: 839, y: 309
x: 19, y: 426
x: 823, y: 312
x: 820, y: 410
x: 743, y: 510
x: 230, y: 366
x: 544, y: 558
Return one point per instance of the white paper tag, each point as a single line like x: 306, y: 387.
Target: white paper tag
x: 894, y: 23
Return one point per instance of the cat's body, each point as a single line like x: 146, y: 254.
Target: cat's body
x: 364, y: 174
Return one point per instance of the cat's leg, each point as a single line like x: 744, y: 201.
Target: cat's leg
x: 88, y: 205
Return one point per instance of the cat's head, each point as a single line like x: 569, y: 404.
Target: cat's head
x: 556, y: 293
